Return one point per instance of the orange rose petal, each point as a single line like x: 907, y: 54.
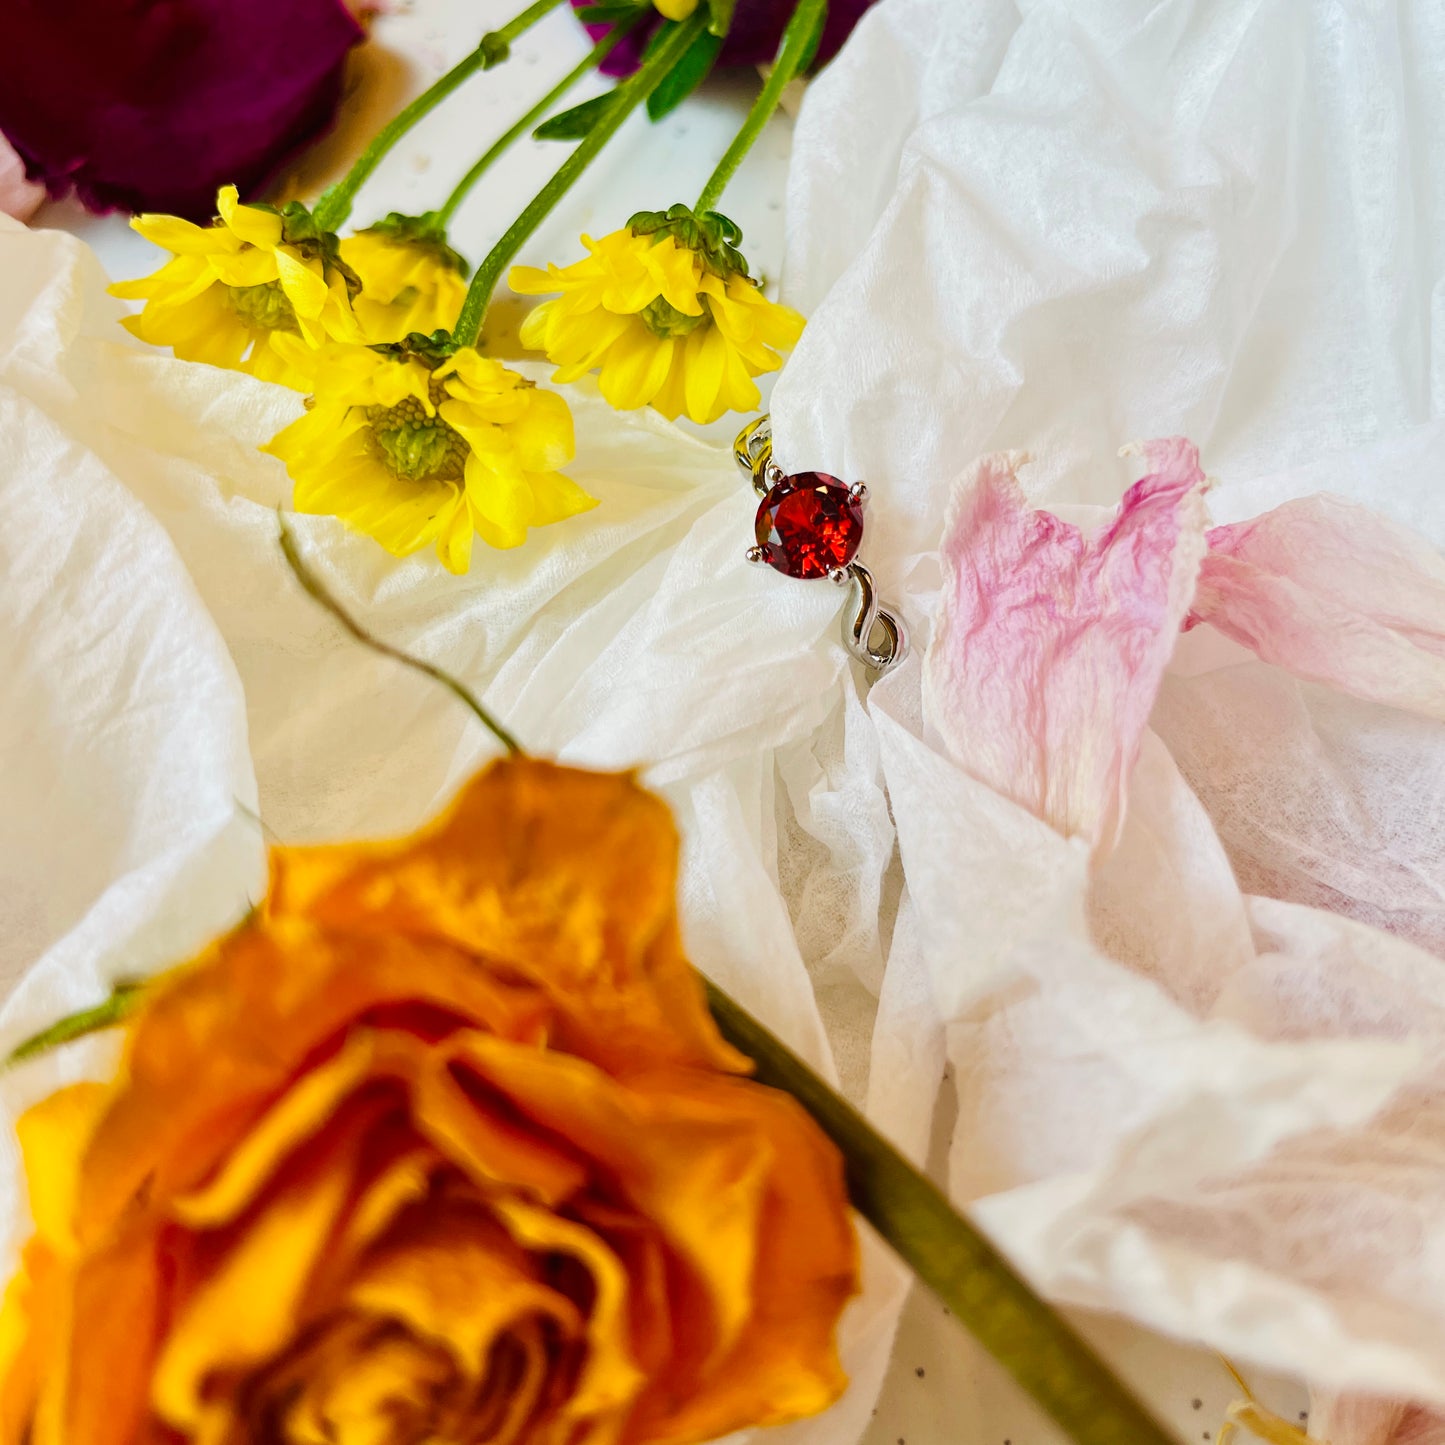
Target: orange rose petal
x: 401, y: 1180
x: 785, y: 1365
x: 740, y: 1183
x: 249, y: 1308
x: 29, y: 1335
x: 515, y: 1390
x: 491, y: 1149
x: 295, y: 1120
x: 457, y: 1280
x: 698, y: 1171
x: 95, y: 1393
x: 52, y: 1137
x: 610, y: 1378
x: 352, y: 1389
x: 557, y: 876
x: 657, y: 1298
x: 218, y: 1043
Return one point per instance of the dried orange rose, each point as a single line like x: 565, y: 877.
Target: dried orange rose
x: 442, y: 1145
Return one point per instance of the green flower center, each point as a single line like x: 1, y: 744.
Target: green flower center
x: 264, y: 307
x: 664, y: 319
x: 417, y: 447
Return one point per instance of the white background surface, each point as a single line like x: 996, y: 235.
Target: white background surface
x: 941, y: 1390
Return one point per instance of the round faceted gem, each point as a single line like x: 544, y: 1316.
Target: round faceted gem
x: 809, y: 525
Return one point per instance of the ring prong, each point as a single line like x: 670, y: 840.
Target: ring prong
x: 757, y: 556
x: 859, y: 491
x: 839, y: 577
x: 774, y: 474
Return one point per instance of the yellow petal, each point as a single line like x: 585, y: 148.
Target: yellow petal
x: 304, y: 286
x: 635, y: 368
x: 544, y: 437
x: 530, y: 281
x: 706, y: 360
x: 454, y: 541
x: 678, y: 271
x: 255, y: 227
x: 738, y: 391
x: 501, y: 502
x: 176, y: 283
x: 182, y: 237
x: 555, y: 498
x: 287, y: 359
x: 403, y: 516
x: 250, y: 267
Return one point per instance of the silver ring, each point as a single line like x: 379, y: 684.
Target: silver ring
x: 876, y: 636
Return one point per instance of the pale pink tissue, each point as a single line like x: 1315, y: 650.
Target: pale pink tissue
x: 18, y: 197
x: 1050, y: 644
x: 1334, y: 593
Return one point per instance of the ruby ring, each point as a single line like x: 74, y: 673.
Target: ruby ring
x: 810, y: 525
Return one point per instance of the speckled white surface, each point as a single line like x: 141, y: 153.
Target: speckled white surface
x: 942, y: 1389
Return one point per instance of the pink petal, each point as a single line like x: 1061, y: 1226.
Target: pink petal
x: 18, y: 197
x: 1050, y: 645
x: 1334, y: 593
x: 1372, y: 1420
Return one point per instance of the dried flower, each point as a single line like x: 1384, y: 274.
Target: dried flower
x: 441, y: 1145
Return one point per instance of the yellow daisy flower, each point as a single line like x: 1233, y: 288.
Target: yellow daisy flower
x: 414, y: 447
x: 234, y: 286
x: 411, y: 280
x: 665, y: 312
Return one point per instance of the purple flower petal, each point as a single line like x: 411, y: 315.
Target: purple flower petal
x: 753, y: 40
x: 151, y: 105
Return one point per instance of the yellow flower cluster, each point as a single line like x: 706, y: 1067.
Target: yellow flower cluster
x: 408, y: 437
x: 405, y: 437
x: 666, y: 314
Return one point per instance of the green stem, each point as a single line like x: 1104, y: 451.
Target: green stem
x: 316, y: 589
x: 591, y: 61
x: 123, y: 1001
x: 335, y: 204
x: 979, y: 1287
x: 626, y: 98
x: 793, y: 53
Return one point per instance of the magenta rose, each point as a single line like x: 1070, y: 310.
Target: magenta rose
x: 152, y: 105
x: 753, y: 39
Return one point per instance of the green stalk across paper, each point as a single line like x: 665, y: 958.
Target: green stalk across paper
x: 626, y: 98
x: 332, y: 210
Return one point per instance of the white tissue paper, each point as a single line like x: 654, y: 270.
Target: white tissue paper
x: 177, y: 699
x: 1194, y: 1075
x: 1197, y: 1075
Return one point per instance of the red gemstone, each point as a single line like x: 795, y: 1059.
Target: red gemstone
x: 809, y: 525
